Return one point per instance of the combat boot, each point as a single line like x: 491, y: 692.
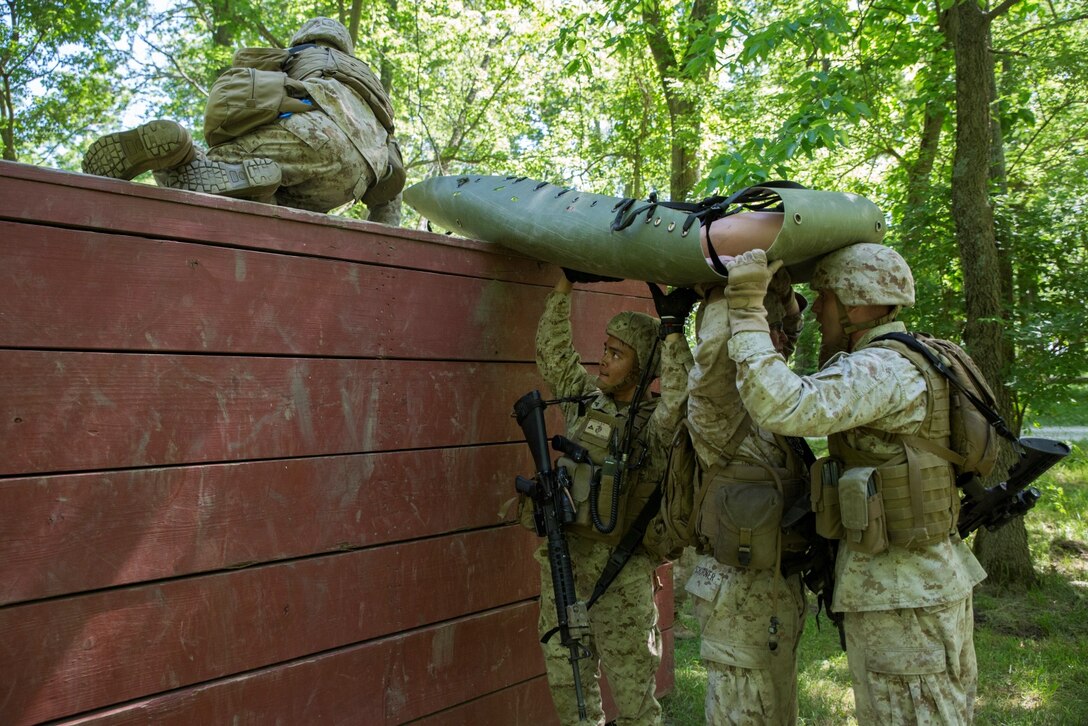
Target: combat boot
x: 156, y: 145
x: 249, y: 179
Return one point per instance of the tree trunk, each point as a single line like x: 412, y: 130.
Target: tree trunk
x: 682, y: 89
x: 1004, y: 554
x: 919, y: 174
x: 7, y: 129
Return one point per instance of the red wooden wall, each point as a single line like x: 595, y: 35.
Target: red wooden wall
x: 253, y: 463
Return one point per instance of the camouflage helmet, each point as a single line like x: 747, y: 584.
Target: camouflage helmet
x: 639, y: 331
x: 327, y: 32
x: 865, y: 274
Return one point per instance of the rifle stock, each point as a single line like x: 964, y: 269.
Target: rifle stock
x: 552, y: 509
x: 1003, y: 502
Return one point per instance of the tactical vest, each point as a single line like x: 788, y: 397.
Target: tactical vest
x: 607, y: 489
x: 916, y: 487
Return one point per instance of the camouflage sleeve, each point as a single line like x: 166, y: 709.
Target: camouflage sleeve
x: 714, y: 405
x: 556, y: 359
x: 676, y: 362
x: 872, y: 386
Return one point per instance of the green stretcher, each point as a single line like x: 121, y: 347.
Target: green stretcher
x: 644, y: 239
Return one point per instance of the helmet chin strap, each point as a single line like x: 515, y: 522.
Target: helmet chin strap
x: 845, y: 343
x: 849, y: 327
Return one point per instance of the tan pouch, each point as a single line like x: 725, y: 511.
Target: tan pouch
x: 581, y: 476
x: 243, y: 99
x: 862, y: 510
x: 749, y: 524
x: 824, y: 480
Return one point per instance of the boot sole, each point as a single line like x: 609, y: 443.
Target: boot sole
x: 251, y: 178
x: 153, y: 146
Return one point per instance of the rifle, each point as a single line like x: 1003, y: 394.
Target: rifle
x: 1013, y: 497
x: 552, y: 509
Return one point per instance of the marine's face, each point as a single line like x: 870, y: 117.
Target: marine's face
x: 618, y: 363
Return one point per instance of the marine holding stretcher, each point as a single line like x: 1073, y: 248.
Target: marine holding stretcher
x: 907, y: 436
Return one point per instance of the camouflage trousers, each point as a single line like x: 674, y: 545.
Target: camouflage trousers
x: 748, y: 682
x: 626, y: 641
x: 913, y: 665
x: 321, y: 168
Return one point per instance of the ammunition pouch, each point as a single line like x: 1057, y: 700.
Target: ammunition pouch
x: 824, y: 495
x: 597, y: 489
x: 849, y: 505
x: 862, y: 507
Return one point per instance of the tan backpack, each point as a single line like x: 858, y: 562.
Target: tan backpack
x: 975, y: 422
x: 243, y: 99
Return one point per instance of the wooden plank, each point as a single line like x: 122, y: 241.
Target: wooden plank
x: 70, y: 655
x: 64, y: 411
x: 181, y: 297
x: 525, y: 704
x: 66, y: 199
x: 87, y: 202
x: 389, y: 681
x: 71, y: 533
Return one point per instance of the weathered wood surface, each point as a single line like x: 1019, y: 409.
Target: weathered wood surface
x: 254, y: 463
x: 386, y: 681
x: 71, y: 533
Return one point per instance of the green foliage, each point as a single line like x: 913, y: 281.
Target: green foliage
x: 55, y: 80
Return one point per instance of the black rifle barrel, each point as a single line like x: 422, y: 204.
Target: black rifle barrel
x: 1002, y: 502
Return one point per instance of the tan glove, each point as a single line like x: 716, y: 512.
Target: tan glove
x: 749, y: 277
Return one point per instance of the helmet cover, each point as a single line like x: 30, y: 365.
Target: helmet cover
x: 327, y: 32
x: 865, y: 274
x: 639, y: 331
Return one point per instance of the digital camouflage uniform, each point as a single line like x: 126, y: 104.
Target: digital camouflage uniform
x: 317, y: 160
x: 908, y: 615
x: 623, y: 622
x: 747, y: 681
x: 322, y: 167
x: 327, y: 157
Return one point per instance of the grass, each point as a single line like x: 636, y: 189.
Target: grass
x: 1031, y: 647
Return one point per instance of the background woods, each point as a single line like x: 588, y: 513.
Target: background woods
x: 966, y: 122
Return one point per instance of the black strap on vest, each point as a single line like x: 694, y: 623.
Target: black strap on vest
x: 621, y: 555
x: 918, y: 346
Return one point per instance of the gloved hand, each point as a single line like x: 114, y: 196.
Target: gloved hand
x: 749, y: 276
x: 673, y: 308
x: 578, y: 276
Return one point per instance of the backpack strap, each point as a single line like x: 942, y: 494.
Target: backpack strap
x: 991, y: 415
